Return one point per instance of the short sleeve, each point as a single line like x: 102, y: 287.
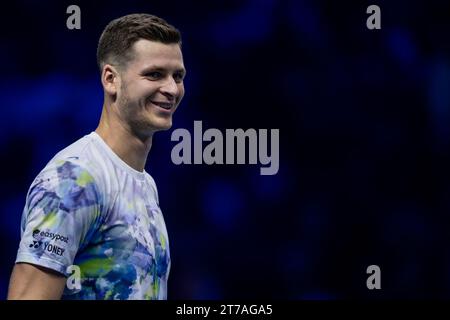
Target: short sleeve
x: 62, y: 212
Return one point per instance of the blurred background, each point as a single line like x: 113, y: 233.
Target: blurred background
x: 364, y: 140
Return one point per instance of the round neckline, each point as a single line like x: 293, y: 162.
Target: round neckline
x: 116, y: 159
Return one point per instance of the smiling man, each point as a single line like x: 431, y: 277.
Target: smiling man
x: 94, y: 207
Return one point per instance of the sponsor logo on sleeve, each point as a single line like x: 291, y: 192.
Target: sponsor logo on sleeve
x: 50, y: 245
x: 38, y: 234
x: 47, y: 247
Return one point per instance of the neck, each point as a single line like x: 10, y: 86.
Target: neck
x: 133, y: 150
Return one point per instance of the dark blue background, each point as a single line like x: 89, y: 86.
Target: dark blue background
x: 364, y: 140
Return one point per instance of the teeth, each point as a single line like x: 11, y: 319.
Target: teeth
x: 163, y: 105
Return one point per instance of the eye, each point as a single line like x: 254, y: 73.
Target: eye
x: 178, y: 77
x: 154, y: 75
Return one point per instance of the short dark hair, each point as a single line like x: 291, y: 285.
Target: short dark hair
x: 120, y: 34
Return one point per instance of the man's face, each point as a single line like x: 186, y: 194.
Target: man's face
x: 151, y: 86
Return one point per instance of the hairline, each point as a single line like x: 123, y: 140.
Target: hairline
x: 122, y: 62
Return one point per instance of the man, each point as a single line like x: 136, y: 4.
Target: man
x: 93, y: 206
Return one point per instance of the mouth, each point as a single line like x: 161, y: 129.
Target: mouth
x: 164, y: 105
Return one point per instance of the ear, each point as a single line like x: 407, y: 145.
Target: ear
x: 110, y: 79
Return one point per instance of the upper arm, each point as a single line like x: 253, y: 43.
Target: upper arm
x: 32, y: 282
x: 61, y: 214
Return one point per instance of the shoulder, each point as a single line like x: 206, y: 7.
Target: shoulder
x: 75, y: 168
x: 89, y: 157
x: 152, y: 185
x: 66, y: 183
x: 151, y: 181
x: 75, y: 162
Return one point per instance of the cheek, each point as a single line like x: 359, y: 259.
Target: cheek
x: 181, y: 89
x: 141, y: 89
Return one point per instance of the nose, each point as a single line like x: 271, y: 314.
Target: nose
x: 170, y: 88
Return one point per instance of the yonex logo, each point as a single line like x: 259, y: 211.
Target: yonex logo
x: 48, y: 247
x: 36, y: 244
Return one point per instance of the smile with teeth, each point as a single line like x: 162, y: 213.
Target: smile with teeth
x: 164, y: 105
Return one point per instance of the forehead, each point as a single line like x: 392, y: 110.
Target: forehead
x: 151, y: 53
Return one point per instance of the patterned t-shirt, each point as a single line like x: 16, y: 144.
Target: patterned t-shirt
x: 87, y: 208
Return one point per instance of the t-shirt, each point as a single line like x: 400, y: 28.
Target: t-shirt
x: 87, y: 210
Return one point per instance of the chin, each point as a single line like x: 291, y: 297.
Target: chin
x: 161, y: 125
x: 146, y: 129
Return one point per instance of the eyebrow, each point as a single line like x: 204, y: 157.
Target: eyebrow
x: 155, y: 68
